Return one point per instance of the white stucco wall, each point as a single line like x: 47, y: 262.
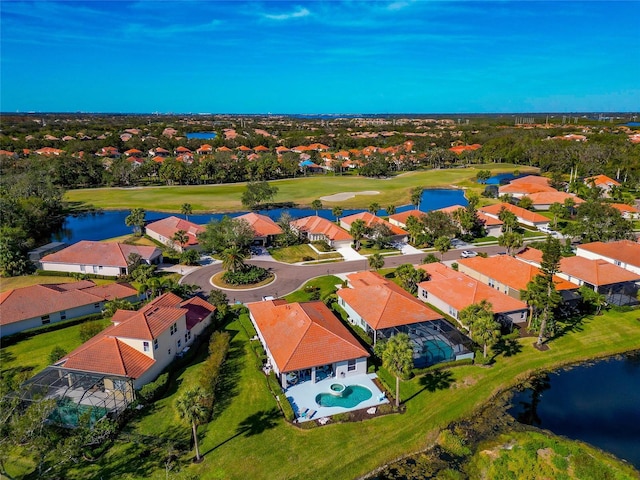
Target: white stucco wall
x: 595, y: 256
x: 341, y: 368
x: 54, y: 317
x: 77, y: 268
x: 440, y: 304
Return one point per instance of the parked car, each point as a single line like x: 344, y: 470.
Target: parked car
x: 468, y: 254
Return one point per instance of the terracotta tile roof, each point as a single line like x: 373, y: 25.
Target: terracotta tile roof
x: 318, y: 225
x: 109, y: 254
x: 383, y: 304
x: 197, y: 310
x: 595, y: 272
x: 110, y: 356
x: 223, y: 148
x: 532, y: 179
x: 304, y: 335
x: 601, y: 181
x: 183, y: 150
x: 525, y: 188
x: 244, y: 148
x: 261, y: 148
x: 547, y: 198
x: 370, y: 220
x: 133, y: 151
x: 463, y: 148
x: 282, y: 149
x: 37, y: 300
x: 205, y: 148
x: 624, y: 208
x: 402, y: 217
x: 167, y: 227
x: 625, y: 251
x: 261, y: 224
x: 49, y: 151
x: 460, y: 290
x: 521, y: 213
x: 488, y: 221
x: 510, y: 271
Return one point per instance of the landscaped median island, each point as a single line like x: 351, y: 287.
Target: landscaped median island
x: 249, y: 438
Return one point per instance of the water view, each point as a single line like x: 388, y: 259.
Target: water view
x: 597, y: 403
x: 110, y: 223
x: 201, y: 135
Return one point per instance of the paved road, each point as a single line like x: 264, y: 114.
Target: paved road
x: 291, y: 277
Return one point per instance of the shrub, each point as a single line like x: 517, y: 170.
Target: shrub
x: 454, y: 265
x: 154, y: 390
x: 431, y: 258
x: 342, y: 417
x: 453, y: 443
x: 89, y: 330
x: 56, y: 354
x: 190, y: 257
x: 252, y: 274
x: 385, y: 408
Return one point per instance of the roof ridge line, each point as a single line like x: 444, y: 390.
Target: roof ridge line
x: 124, y: 368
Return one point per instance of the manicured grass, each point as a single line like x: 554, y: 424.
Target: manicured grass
x: 133, y: 240
x: 29, y: 280
x: 249, y: 439
x: 32, y: 354
x: 302, y: 191
x: 300, y: 253
x: 326, y: 284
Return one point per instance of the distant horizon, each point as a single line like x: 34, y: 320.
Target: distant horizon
x: 449, y: 56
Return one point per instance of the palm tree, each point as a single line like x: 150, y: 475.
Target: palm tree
x: 191, y: 407
x: 479, y: 319
x: 442, y: 244
x: 374, y: 207
x: 391, y: 209
x: 416, y: 196
x: 180, y: 237
x: 337, y: 212
x: 376, y: 261
x: 316, y: 205
x: 135, y: 219
x: 233, y: 258
x: 358, y: 230
x: 397, y: 357
x: 186, y: 210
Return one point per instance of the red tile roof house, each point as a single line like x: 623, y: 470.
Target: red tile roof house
x: 164, y: 230
x: 316, y: 228
x: 100, y: 258
x: 619, y: 285
x: 450, y: 292
x: 623, y: 253
x: 400, y: 219
x: 524, y: 216
x: 627, y: 211
x: 492, y: 226
x: 382, y: 309
x: 306, y: 341
x: 603, y: 182
x: 31, y: 307
x: 104, y: 372
x: 397, y: 233
x: 265, y: 228
x: 543, y: 200
x: 509, y: 275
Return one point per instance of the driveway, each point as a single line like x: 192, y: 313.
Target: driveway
x: 349, y: 253
x: 291, y: 277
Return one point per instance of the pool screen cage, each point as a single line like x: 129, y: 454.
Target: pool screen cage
x: 434, y: 341
x: 79, y: 396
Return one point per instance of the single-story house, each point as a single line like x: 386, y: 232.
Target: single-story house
x: 30, y: 307
x: 629, y: 212
x: 316, y: 228
x: 544, y: 200
x: 305, y: 341
x: 397, y: 233
x: 619, y: 285
x: 265, y: 229
x: 603, y: 182
x: 101, y: 258
x: 623, y: 253
x: 525, y: 186
x: 164, y: 230
x: 492, y: 225
x: 450, y: 292
x: 140, y: 344
x: 400, y: 219
x: 383, y: 309
x: 524, y: 216
x: 508, y: 275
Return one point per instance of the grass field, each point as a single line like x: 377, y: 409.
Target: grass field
x: 28, y: 280
x: 301, y: 191
x: 248, y: 437
x: 298, y: 253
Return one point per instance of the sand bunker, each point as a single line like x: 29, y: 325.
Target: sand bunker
x: 339, y: 197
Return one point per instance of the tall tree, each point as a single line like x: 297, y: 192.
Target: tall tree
x: 479, y: 320
x: 416, y: 196
x: 410, y: 276
x: 512, y: 241
x: 233, y: 258
x: 374, y: 207
x: 337, y: 212
x: 416, y: 230
x: 191, y: 407
x: 136, y: 219
x: 358, y: 231
x: 442, y: 245
x: 558, y: 211
x: 316, y: 205
x: 509, y: 220
x: 391, y: 209
x: 186, y: 210
x: 225, y: 233
x: 181, y: 238
x: 397, y: 357
x: 549, y: 266
x: 258, y: 192
x: 376, y: 261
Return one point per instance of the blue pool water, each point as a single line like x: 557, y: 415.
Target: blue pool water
x: 437, y: 351
x: 201, y: 135
x: 352, y: 396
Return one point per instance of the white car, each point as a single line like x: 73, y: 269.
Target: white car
x: 468, y: 254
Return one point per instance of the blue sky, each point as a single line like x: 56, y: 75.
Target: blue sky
x: 319, y: 57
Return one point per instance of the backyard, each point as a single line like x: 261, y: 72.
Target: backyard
x: 248, y: 437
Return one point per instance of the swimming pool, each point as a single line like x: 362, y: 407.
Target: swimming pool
x: 351, y: 396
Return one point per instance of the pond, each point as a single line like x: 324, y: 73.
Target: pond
x: 110, y: 223
x: 598, y: 403
x: 201, y: 135
x: 499, y: 179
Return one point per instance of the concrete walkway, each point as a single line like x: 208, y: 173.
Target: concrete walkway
x: 349, y: 253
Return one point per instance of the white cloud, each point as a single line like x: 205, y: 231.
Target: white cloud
x: 299, y: 12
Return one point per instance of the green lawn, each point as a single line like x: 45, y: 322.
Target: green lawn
x: 302, y: 191
x: 29, y: 280
x: 248, y: 438
x: 300, y: 253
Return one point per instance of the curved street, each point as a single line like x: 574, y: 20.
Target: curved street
x: 291, y: 277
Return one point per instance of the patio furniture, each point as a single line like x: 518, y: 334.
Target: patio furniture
x: 382, y: 396
x: 311, y: 413
x: 303, y: 414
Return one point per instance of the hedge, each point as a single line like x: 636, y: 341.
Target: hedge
x: 18, y: 337
x: 53, y: 273
x: 285, y: 406
x: 154, y: 390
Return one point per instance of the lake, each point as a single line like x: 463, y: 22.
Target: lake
x: 500, y: 178
x: 201, y: 135
x: 598, y: 403
x: 110, y: 223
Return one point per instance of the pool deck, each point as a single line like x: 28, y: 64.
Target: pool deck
x: 303, y: 396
